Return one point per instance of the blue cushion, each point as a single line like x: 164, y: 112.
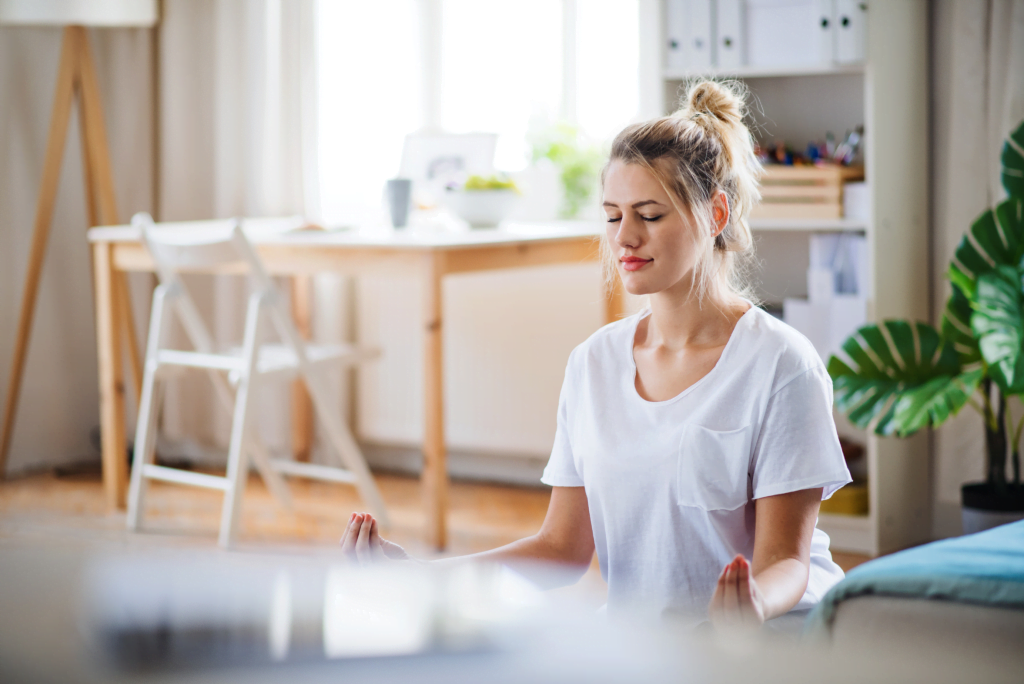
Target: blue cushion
x: 985, y: 568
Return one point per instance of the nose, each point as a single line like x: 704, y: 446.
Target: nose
x: 629, y: 234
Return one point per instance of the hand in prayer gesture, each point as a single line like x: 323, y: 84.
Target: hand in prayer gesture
x: 737, y: 601
x: 363, y: 544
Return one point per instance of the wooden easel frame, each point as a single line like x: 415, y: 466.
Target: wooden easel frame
x: 75, y: 76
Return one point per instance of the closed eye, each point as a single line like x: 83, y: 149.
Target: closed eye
x: 648, y: 219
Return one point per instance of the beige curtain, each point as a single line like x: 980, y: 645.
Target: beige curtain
x: 978, y: 91
x: 237, y: 138
x: 59, y: 403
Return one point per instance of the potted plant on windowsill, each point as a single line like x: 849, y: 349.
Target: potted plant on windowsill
x: 898, y: 377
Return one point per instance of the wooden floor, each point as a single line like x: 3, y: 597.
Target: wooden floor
x: 70, y: 510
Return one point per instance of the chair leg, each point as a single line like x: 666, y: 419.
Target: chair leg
x: 257, y: 449
x: 145, y: 447
x: 261, y: 459
x: 238, y: 472
x: 238, y: 462
x: 149, y: 408
x: 346, y: 448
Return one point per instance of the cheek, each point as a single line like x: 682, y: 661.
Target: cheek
x: 677, y: 245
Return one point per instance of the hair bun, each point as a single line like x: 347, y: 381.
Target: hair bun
x: 721, y: 100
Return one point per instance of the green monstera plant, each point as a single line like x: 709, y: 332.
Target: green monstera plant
x: 898, y: 377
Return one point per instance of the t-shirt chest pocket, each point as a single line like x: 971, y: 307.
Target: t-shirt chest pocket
x: 711, y: 470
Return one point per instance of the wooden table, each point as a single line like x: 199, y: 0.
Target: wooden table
x: 431, y: 254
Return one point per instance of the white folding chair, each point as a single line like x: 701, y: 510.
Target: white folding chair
x: 223, y: 246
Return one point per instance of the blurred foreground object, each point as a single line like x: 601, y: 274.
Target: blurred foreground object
x: 146, y: 614
x: 208, y: 616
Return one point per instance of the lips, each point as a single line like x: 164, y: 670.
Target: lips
x: 632, y: 263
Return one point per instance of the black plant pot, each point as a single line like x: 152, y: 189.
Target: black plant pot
x: 983, y: 507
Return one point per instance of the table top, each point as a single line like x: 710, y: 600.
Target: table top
x: 286, y: 233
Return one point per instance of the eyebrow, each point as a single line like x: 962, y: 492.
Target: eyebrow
x: 635, y: 206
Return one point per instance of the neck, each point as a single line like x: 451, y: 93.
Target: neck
x: 678, y: 320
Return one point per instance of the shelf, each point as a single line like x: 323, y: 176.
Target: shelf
x: 808, y: 225
x: 675, y: 74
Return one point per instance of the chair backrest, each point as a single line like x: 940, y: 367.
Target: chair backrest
x: 219, y: 245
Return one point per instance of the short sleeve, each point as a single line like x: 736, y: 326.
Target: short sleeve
x: 798, y: 447
x: 561, y: 468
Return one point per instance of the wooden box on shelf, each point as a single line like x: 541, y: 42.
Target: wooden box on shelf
x: 850, y: 500
x: 804, y: 192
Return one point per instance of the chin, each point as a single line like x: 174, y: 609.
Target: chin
x: 637, y: 286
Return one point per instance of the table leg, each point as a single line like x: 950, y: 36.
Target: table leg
x: 435, y: 468
x: 108, y: 343
x: 615, y: 302
x: 127, y: 318
x: 302, y: 405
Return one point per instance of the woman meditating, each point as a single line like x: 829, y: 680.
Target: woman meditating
x: 695, y: 439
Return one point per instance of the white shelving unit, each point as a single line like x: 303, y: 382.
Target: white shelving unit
x: 765, y: 72
x: 888, y: 94
x: 809, y: 225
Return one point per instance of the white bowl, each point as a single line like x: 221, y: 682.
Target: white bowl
x: 481, y: 208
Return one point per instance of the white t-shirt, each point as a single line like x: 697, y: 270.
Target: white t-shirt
x: 671, y: 484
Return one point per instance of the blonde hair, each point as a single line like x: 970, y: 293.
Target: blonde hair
x: 700, y: 149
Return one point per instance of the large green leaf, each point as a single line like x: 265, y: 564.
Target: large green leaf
x: 883, y: 363
x: 956, y: 327
x: 999, y: 326
x: 996, y: 238
x: 1013, y: 163
x: 935, y: 401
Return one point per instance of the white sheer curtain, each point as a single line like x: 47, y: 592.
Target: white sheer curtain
x: 978, y: 96
x: 237, y: 138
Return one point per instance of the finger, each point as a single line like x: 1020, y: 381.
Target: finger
x: 376, y: 541
x: 731, y: 606
x: 349, y: 546
x: 746, y: 601
x: 363, y: 541
x: 376, y: 546
x: 348, y: 528
x: 718, y: 599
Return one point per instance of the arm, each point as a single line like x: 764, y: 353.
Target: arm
x: 565, y: 539
x: 752, y: 593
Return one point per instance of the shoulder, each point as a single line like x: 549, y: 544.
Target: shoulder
x: 791, y: 353
x: 606, y: 348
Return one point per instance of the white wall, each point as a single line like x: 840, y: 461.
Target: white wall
x: 59, y: 400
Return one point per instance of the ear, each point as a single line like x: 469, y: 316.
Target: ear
x: 719, y: 213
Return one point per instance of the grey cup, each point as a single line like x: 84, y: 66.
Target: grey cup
x: 399, y: 196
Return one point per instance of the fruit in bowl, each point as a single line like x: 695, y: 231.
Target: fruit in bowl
x: 483, y: 202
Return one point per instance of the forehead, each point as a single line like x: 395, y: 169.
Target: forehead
x: 626, y: 184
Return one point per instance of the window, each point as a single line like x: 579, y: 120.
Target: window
x: 504, y: 67
x: 607, y: 66
x: 369, y: 100
x: 501, y: 66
